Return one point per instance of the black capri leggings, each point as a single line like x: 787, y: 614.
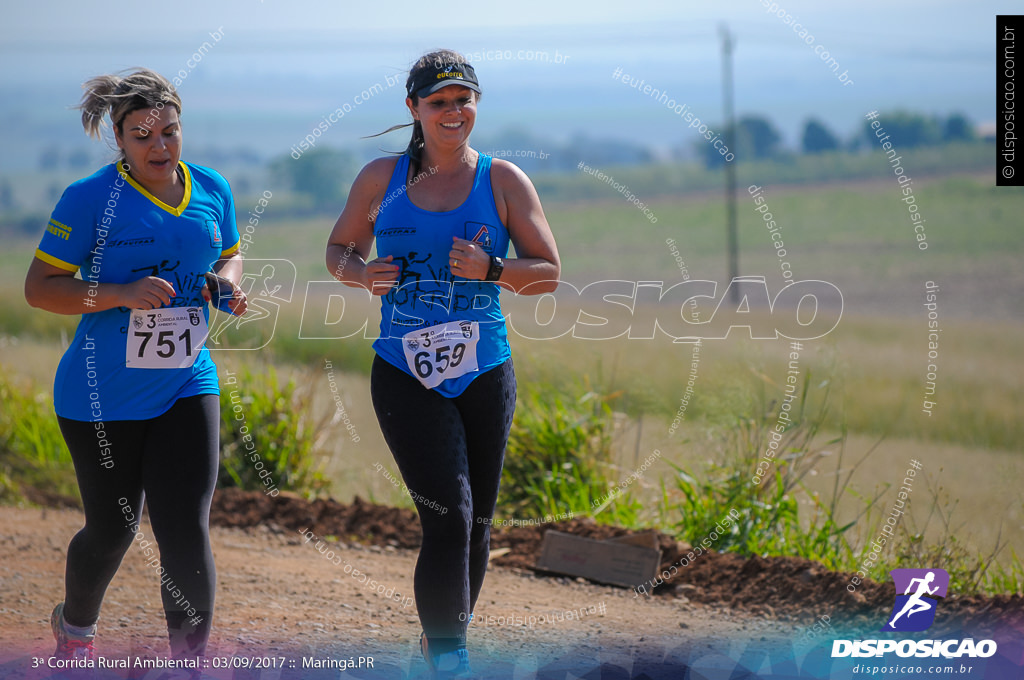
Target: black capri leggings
x: 450, y: 453
x: 170, y: 462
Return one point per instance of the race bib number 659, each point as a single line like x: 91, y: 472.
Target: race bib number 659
x: 165, y: 338
x: 440, y: 352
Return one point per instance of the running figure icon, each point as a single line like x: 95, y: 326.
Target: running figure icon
x: 917, y: 591
x: 915, y: 604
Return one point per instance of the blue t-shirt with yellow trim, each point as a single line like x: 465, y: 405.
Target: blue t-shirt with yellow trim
x: 112, y: 230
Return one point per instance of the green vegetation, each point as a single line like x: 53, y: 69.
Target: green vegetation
x: 259, y: 417
x: 559, y: 460
x: 770, y: 521
x: 770, y: 518
x: 559, y: 457
x: 32, y: 449
x: 778, y: 514
x: 568, y: 438
x: 841, y: 234
x: 269, y: 435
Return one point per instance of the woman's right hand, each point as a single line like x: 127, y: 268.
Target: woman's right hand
x: 146, y: 293
x: 380, y: 276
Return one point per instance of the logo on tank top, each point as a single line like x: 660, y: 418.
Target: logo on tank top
x: 396, y: 231
x: 483, y: 234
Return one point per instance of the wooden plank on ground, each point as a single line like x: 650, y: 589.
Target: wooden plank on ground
x: 613, y: 562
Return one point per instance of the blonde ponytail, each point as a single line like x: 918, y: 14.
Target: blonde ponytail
x: 120, y: 95
x: 96, y: 102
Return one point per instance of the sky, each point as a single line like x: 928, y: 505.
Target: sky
x: 909, y: 20
x: 281, y: 66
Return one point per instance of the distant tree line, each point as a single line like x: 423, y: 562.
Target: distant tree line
x: 55, y: 158
x: 324, y: 175
x: 321, y: 178
x: 757, y: 138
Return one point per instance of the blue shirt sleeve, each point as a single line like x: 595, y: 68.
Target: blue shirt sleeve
x: 71, y: 232
x: 228, y: 227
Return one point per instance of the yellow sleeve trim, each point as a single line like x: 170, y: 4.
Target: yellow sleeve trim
x: 232, y: 250
x: 60, y: 264
x: 156, y: 201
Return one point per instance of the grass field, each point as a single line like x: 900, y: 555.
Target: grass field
x: 856, y: 235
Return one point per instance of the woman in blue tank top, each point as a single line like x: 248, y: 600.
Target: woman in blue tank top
x: 442, y: 383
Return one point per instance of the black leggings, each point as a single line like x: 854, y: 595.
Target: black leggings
x: 450, y: 453
x: 169, y: 461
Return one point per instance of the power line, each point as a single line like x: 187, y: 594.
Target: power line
x: 730, y: 166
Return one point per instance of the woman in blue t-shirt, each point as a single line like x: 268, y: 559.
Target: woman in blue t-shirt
x: 442, y: 383
x: 136, y: 392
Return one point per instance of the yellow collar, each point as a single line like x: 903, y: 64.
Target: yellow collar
x: 156, y: 201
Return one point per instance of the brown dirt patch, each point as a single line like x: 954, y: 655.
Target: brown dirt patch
x: 779, y: 587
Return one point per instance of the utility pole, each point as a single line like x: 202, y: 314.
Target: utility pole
x: 730, y: 166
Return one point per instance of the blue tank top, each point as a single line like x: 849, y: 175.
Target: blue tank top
x: 428, y: 294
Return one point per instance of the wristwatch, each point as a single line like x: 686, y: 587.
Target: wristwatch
x: 497, y: 266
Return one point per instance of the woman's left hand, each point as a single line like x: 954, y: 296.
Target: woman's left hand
x: 468, y: 260
x: 237, y: 304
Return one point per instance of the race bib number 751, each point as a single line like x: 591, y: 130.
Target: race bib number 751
x: 165, y: 338
x: 440, y: 352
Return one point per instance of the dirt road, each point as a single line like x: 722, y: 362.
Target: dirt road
x: 277, y: 595
x: 300, y: 608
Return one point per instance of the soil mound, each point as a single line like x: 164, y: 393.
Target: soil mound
x: 782, y: 587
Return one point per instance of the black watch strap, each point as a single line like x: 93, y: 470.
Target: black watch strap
x: 497, y: 266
